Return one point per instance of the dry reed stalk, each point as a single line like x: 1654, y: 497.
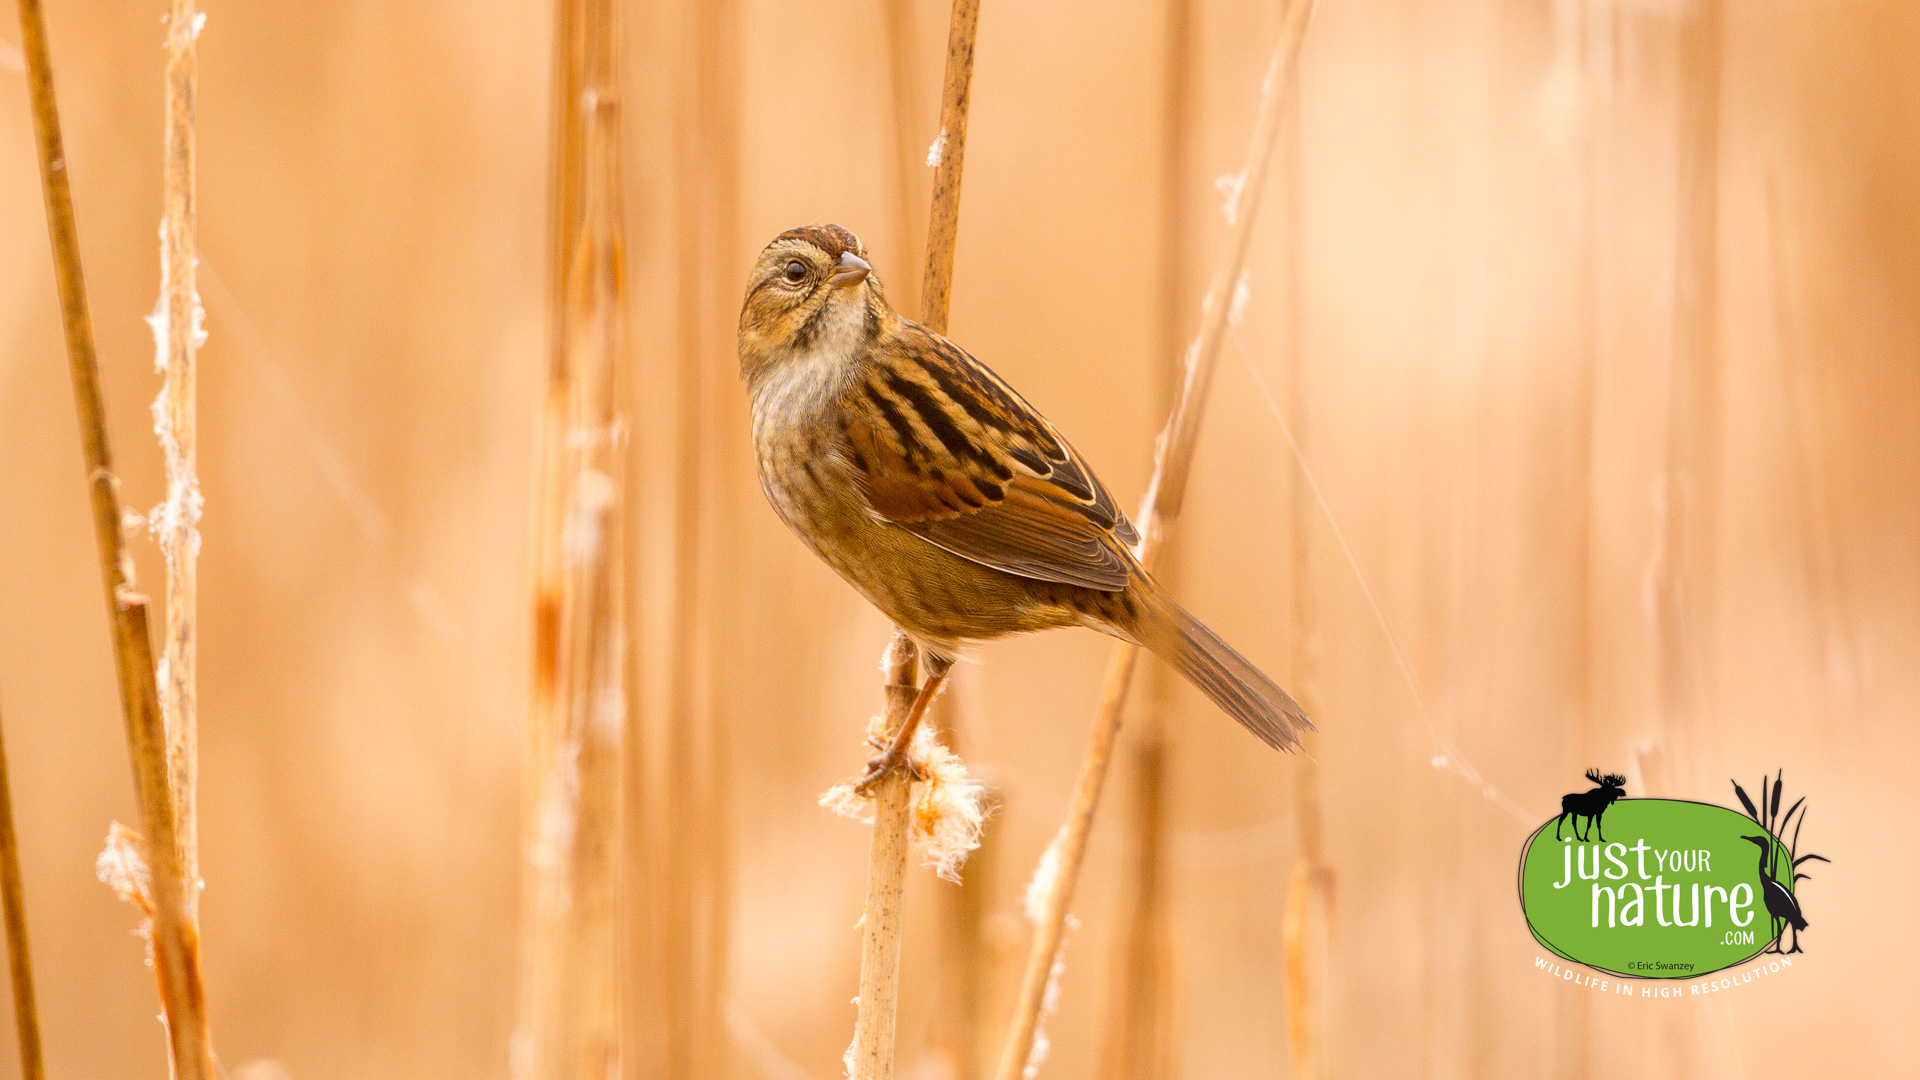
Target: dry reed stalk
x: 1307, y: 921
x: 564, y: 182
x: 570, y: 1022
x: 872, y: 1053
x: 1137, y: 1043
x: 961, y: 1043
x: 1173, y: 460
x: 871, y: 1057
x: 1306, y: 925
x: 1137, y: 1040
x: 1682, y: 577
x: 1682, y: 580
x: 175, y: 941
x: 690, y: 845
x: 959, y: 1034
x: 1573, y: 1043
x: 566, y: 187
x: 178, y: 333
x: 947, y: 156
x: 1811, y: 442
x: 908, y: 153
x: 26, y: 1015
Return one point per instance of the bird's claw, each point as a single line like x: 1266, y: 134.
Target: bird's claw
x: 882, y: 764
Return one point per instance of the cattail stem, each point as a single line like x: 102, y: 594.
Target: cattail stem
x: 1307, y: 920
x: 690, y: 834
x: 177, y: 334
x: 1682, y: 580
x: 882, y: 932
x: 1136, y: 1044
x: 176, y: 938
x: 26, y: 1015
x: 963, y: 909
x: 1306, y: 923
x: 176, y: 943
x: 963, y: 1038
x: 570, y: 1020
x: 1172, y: 463
x: 873, y: 1042
x: 909, y: 152
x: 949, y: 156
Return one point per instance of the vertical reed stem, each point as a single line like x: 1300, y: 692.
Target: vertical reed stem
x: 909, y: 152
x: 570, y: 1022
x: 178, y: 332
x: 26, y: 1015
x: 957, y: 1036
x: 565, y: 184
x: 957, y: 1046
x: 1307, y: 920
x: 882, y: 930
x: 873, y: 1044
x: 1172, y: 463
x: 1573, y: 1019
x: 176, y: 943
x: 1682, y: 582
x: 1137, y: 1043
x: 692, y: 838
x: 943, y: 222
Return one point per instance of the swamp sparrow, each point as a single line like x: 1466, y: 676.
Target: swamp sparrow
x: 940, y: 494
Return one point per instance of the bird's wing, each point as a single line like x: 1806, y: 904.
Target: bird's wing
x: 947, y: 451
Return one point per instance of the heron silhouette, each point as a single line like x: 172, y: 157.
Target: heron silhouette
x: 1781, y: 905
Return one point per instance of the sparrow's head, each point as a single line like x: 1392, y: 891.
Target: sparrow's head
x: 812, y: 288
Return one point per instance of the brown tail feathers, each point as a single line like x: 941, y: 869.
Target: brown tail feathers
x: 1241, y: 690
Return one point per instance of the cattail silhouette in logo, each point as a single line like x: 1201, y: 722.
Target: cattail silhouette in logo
x: 1591, y: 805
x: 1783, y: 906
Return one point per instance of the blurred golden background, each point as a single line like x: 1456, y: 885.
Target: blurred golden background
x: 1594, y: 321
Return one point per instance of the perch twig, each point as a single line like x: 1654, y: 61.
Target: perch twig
x: 880, y: 939
x: 570, y: 1020
x: 176, y: 943
x: 872, y: 1054
x: 26, y: 1015
x: 908, y: 151
x: 1173, y: 460
x: 948, y: 156
x: 1136, y: 1044
x: 177, y: 331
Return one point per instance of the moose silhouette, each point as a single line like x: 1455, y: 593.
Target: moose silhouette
x: 1591, y: 805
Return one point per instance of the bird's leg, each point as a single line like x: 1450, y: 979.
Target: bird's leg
x: 895, y: 753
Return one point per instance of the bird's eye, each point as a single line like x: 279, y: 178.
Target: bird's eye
x: 796, y: 271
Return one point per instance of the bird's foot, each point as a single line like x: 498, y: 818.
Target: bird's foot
x: 883, y: 763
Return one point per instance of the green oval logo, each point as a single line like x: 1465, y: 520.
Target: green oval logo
x: 1654, y: 888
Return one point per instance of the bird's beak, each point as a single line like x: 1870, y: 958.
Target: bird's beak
x: 851, y: 269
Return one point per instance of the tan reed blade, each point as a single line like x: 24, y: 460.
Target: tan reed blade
x: 1172, y: 463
